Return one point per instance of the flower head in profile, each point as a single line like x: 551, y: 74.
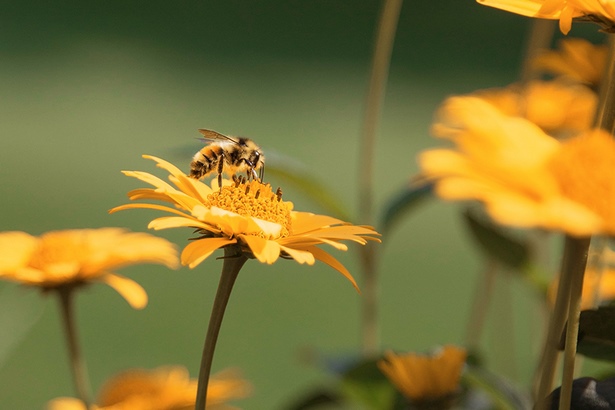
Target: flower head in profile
x: 164, y: 388
x: 523, y: 176
x: 601, y: 12
x: 576, y: 59
x: 247, y: 215
x: 425, y: 378
x: 75, y: 257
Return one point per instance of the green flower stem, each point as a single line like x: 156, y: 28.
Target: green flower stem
x: 581, y: 246
x: 480, y: 306
x: 539, y: 38
x: 78, y: 367
x: 385, y: 37
x: 605, y: 116
x: 573, y: 268
x: 233, y: 262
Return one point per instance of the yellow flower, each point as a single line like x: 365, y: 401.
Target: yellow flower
x: 558, y: 107
x: 523, y: 176
x: 164, y: 388
x: 576, y: 59
x: 425, y: 377
x: 598, y: 11
x: 597, y: 288
x: 248, y: 215
x: 76, y: 257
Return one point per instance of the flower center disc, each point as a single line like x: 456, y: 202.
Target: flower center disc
x: 254, y: 199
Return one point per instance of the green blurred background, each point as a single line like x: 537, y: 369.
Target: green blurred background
x: 87, y: 87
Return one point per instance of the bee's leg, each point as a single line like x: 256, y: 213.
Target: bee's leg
x: 220, y: 168
x: 251, y: 172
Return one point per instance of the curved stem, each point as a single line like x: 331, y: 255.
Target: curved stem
x: 233, y: 261
x: 78, y: 367
x: 385, y: 36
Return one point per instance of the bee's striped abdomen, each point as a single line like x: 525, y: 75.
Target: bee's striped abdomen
x: 205, y: 161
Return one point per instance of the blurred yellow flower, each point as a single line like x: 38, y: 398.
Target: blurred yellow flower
x: 164, y: 388
x: 523, y: 176
x: 558, y: 107
x: 77, y: 257
x: 422, y: 377
x: 598, y: 11
x: 244, y: 214
x: 597, y: 288
x: 577, y: 59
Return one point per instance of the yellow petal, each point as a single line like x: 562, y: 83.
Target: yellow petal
x: 565, y: 21
x: 305, y: 221
x: 197, y: 251
x: 130, y: 290
x: 523, y: 7
x: 148, y: 193
x: 166, y: 222
x: 340, y: 233
x: 15, y: 250
x: 161, y: 163
x: 67, y: 403
x: 150, y: 179
x: 264, y: 250
x: 147, y: 206
x: 299, y: 255
x: 269, y: 229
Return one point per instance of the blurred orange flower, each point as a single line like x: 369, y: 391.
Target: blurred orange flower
x: 523, y: 176
x: 164, y: 388
x: 598, y: 11
x: 577, y: 59
x: 558, y: 107
x: 244, y: 214
x: 77, y: 257
x: 422, y: 377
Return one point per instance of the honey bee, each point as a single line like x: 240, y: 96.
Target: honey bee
x: 227, y: 154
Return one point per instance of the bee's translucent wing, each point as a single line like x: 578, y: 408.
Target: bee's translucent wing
x: 211, y: 135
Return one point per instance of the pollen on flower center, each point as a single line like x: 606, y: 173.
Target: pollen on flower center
x: 254, y: 199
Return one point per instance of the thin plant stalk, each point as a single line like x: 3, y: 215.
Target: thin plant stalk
x: 605, y: 117
x: 580, y: 249
x: 78, y: 367
x: 385, y: 37
x: 539, y: 38
x: 233, y: 262
x: 480, y: 306
x: 574, y: 261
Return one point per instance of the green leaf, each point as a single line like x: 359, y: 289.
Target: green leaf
x: 496, y: 242
x: 366, y: 384
x: 294, y: 173
x: 403, y: 201
x: 597, y: 333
